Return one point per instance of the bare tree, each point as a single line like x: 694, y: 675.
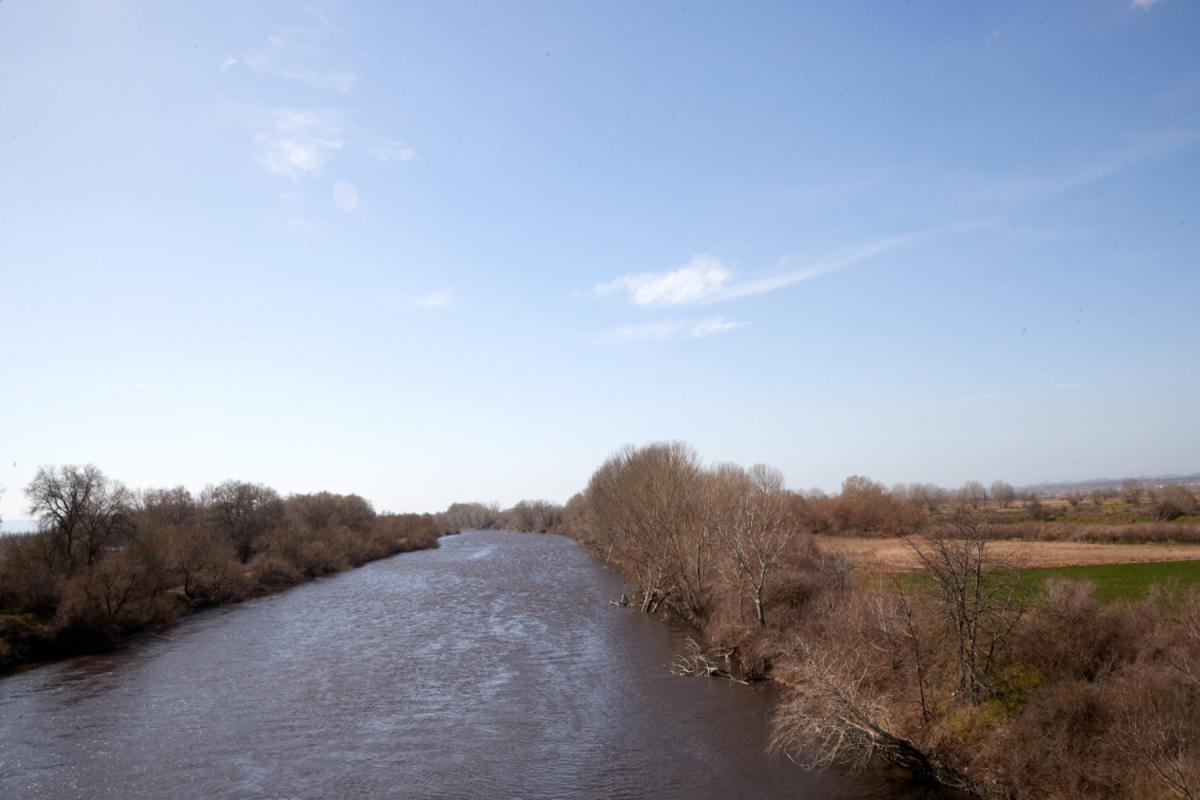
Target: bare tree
x: 80, y: 509
x: 242, y: 512
x: 928, y: 496
x: 1003, y: 493
x: 644, y: 510
x: 973, y: 494
x: 835, y: 715
x: 470, y: 516
x: 205, y: 562
x: 1132, y: 490
x: 979, y: 598
x: 1157, y: 732
x: 162, y: 507
x: 538, y: 516
x: 753, y: 524
x: 1176, y: 501
x: 313, y: 512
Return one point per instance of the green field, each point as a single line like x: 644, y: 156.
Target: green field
x: 1122, y: 581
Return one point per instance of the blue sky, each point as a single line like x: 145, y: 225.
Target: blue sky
x: 450, y: 251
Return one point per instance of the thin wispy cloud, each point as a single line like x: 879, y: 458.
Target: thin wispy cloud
x: 294, y: 54
x: 1147, y: 147
x: 705, y: 280
x: 442, y: 299
x: 1144, y: 4
x: 390, y: 151
x: 670, y: 329
x: 297, y: 143
x: 293, y: 144
x: 701, y: 278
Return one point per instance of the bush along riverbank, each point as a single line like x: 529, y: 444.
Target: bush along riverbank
x: 109, y: 562
x: 965, y: 672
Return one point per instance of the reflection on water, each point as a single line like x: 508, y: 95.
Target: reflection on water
x: 492, y: 667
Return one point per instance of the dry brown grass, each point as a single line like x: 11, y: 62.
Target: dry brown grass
x: 898, y: 555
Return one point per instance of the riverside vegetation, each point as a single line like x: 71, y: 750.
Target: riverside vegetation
x: 108, y: 562
x: 971, y: 671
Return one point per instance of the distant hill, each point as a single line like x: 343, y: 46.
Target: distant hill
x: 1192, y: 481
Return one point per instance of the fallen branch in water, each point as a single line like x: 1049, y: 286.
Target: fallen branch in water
x: 697, y: 663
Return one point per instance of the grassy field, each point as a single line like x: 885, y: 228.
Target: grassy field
x: 1123, y: 581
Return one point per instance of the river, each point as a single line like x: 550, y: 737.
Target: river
x: 491, y: 667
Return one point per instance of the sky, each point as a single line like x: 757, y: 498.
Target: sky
x: 437, y: 252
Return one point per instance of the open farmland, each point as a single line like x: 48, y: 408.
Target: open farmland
x: 898, y: 554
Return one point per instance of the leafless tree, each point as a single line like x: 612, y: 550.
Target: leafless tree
x: 80, y: 509
x: 835, y: 715
x: 979, y: 595
x: 645, y: 510
x: 973, y: 494
x: 205, y: 562
x: 162, y: 507
x: 752, y: 522
x: 312, y: 512
x: 1132, y: 490
x: 928, y: 496
x: 1003, y: 493
x: 470, y: 516
x: 1158, y: 733
x: 242, y: 512
x: 1176, y: 501
x: 538, y: 516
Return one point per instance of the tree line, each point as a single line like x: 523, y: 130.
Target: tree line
x: 108, y: 561
x: 966, y: 673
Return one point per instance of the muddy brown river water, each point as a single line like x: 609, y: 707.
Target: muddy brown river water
x: 493, y: 667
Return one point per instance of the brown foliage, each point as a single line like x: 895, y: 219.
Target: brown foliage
x: 960, y: 674
x: 104, y: 566
x: 327, y: 510
x: 645, y: 511
x: 110, y: 599
x: 1175, y: 502
x: 242, y: 512
x: 867, y: 507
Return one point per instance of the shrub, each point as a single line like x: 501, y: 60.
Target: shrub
x: 1175, y: 502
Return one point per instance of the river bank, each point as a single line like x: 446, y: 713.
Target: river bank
x: 492, y: 666
x: 65, y: 591
x: 946, y: 656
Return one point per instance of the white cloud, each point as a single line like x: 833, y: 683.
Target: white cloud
x: 701, y: 278
x: 296, y: 143
x: 829, y: 264
x: 228, y: 62
x: 441, y: 299
x: 670, y: 329
x: 392, y: 151
x: 345, y: 196
x: 706, y: 280
x: 1144, y: 3
x: 289, y: 55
